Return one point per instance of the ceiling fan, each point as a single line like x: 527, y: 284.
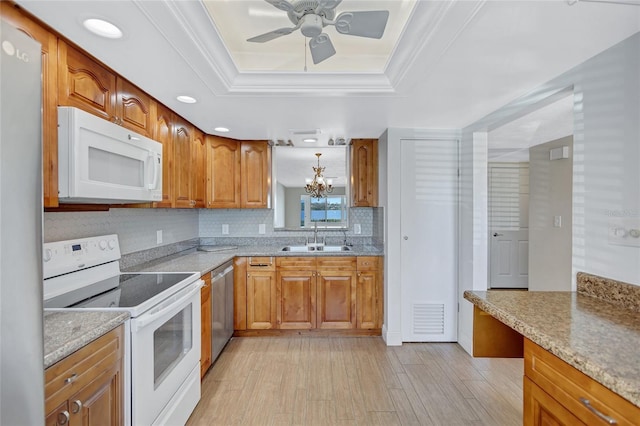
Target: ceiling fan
x: 311, y: 16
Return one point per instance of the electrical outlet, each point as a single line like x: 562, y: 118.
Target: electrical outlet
x: 159, y: 236
x: 262, y: 228
x: 225, y: 229
x: 357, y: 229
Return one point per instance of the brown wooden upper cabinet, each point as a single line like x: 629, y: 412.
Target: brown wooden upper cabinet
x: 238, y: 173
x: 16, y: 17
x: 163, y: 132
x: 223, y: 173
x: 364, y: 172
x: 86, y: 84
x: 255, y: 166
x: 199, y: 169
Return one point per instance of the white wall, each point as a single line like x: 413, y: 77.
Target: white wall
x: 473, y: 240
x: 550, y: 196
x: 606, y: 176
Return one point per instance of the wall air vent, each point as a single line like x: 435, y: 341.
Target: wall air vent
x: 428, y: 318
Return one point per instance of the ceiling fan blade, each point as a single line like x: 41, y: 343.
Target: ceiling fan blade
x: 369, y: 24
x: 281, y: 4
x: 321, y: 48
x: 271, y: 35
x: 327, y: 5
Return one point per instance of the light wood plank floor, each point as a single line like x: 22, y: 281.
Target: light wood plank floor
x: 357, y: 381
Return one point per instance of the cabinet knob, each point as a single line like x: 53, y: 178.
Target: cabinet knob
x: 63, y: 417
x: 76, y: 406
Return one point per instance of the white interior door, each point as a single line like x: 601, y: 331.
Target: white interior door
x: 429, y: 233
x: 509, y: 225
x: 509, y: 259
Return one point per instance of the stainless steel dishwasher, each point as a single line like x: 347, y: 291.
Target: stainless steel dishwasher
x: 221, y: 308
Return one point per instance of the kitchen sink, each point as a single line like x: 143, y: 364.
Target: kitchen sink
x: 316, y: 248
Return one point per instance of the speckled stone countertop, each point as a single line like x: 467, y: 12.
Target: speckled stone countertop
x: 597, y: 337
x: 193, y: 260
x: 67, y: 331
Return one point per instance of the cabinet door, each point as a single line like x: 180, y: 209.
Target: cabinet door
x: 223, y: 173
x: 255, y: 175
x: 49, y: 60
x: 540, y: 409
x: 364, y: 172
x: 99, y: 403
x: 261, y: 300
x: 367, y: 300
x: 240, y: 293
x: 205, y: 316
x: 135, y: 110
x: 296, y: 300
x: 198, y: 169
x: 336, y: 299
x: 84, y: 83
x: 163, y: 133
x: 182, y: 167
x: 58, y: 416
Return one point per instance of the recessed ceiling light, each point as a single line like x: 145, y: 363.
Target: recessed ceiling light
x: 102, y: 28
x: 310, y: 140
x: 221, y: 129
x: 186, y: 99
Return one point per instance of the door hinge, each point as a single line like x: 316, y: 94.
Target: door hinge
x: 458, y: 306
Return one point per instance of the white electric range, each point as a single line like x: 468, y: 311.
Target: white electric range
x: 162, y: 368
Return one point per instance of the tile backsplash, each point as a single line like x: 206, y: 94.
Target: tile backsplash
x: 137, y: 228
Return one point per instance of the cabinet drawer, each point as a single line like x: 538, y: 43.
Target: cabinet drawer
x: 261, y: 263
x: 341, y: 263
x: 569, y: 387
x: 368, y: 263
x: 81, y: 367
x: 296, y: 263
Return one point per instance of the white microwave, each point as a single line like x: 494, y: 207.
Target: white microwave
x: 101, y: 162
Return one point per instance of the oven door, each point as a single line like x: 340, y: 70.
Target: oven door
x: 165, y: 348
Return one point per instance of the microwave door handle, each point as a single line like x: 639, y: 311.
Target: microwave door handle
x: 155, y: 159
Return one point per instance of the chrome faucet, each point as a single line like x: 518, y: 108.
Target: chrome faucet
x: 315, y: 232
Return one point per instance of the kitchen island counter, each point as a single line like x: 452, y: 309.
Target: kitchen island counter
x: 596, y: 336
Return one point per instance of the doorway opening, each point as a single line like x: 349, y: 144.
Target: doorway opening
x: 529, y: 197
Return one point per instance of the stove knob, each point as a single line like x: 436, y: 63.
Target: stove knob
x: 46, y: 256
x: 112, y: 244
x: 102, y: 244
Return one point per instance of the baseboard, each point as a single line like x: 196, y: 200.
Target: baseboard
x: 391, y: 338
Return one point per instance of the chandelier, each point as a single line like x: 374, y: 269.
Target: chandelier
x: 318, y: 187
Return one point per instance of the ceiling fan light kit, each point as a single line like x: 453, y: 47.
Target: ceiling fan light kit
x: 311, y: 16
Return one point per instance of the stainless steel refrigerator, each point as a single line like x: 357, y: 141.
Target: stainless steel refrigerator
x: 21, y: 340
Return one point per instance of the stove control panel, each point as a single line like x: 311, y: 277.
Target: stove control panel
x: 61, y: 257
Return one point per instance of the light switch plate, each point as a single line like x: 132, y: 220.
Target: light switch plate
x: 159, y: 236
x: 557, y: 221
x: 261, y: 228
x: 357, y: 229
x: 225, y: 229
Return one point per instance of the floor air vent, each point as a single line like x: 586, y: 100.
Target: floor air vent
x: 428, y: 318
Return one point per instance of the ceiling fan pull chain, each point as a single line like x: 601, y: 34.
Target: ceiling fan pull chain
x: 305, y: 54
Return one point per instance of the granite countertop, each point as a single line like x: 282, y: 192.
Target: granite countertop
x: 193, y: 260
x: 597, y: 337
x: 67, y: 331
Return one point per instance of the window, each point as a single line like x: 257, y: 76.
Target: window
x: 330, y: 211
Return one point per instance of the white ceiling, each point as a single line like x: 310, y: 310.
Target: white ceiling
x: 236, y: 21
x: 455, y: 62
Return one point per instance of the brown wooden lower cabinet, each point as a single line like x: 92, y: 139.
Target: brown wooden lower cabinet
x: 556, y: 393
x: 307, y: 293
x: 86, y: 388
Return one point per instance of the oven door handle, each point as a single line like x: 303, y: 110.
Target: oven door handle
x: 171, y: 304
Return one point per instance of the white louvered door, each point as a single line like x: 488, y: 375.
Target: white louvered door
x: 429, y: 224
